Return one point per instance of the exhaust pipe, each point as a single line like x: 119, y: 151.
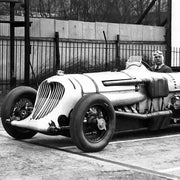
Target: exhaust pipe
x: 144, y: 116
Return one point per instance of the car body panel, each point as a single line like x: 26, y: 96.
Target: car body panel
x: 127, y: 91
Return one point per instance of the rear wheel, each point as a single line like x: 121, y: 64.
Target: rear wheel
x: 18, y: 105
x: 92, y: 123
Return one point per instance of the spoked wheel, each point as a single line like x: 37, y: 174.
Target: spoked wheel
x: 18, y: 105
x: 92, y: 123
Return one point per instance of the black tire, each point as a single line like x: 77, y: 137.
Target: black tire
x: 84, y: 129
x: 11, y: 109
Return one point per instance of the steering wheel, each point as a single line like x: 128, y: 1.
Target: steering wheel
x: 146, y: 65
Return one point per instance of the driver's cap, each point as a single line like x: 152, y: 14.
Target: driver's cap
x: 157, y: 53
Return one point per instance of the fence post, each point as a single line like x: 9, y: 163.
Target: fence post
x: 117, y: 52
x: 168, y: 34
x: 106, y: 63
x: 56, y: 39
x: 27, y: 43
x: 12, y: 38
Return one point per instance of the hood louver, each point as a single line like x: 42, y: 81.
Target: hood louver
x: 48, y: 97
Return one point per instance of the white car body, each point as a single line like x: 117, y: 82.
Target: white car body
x: 130, y: 90
x: 89, y: 107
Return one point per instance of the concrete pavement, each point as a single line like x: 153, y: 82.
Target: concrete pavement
x: 45, y: 157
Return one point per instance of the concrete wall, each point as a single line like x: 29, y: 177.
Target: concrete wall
x: 94, y: 53
x: 42, y: 27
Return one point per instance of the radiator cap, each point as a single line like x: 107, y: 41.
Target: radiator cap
x: 60, y: 72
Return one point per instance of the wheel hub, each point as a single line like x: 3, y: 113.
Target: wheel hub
x: 22, y: 109
x: 23, y: 114
x: 101, y: 123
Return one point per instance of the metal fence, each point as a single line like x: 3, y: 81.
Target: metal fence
x: 175, y: 59
x: 75, y: 56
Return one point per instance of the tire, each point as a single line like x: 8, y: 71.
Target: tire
x: 92, y: 123
x: 13, y: 107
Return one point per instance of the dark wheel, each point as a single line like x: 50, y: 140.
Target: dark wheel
x: 18, y: 105
x: 92, y: 123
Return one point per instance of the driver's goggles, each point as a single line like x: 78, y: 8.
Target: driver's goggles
x: 157, y: 56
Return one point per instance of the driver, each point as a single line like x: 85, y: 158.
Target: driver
x: 159, y: 65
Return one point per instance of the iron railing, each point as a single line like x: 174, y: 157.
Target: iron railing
x: 75, y: 56
x: 175, y: 59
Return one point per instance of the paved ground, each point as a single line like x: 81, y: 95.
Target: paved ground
x: 137, y: 156
x: 45, y: 157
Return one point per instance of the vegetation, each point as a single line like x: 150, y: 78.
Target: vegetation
x: 116, y: 11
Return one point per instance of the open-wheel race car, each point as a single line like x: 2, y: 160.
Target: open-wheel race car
x: 90, y: 107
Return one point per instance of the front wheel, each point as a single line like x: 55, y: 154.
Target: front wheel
x: 18, y: 105
x: 92, y: 123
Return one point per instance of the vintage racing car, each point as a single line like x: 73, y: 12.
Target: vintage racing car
x: 90, y: 107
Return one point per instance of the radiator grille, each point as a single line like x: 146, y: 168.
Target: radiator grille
x: 48, y: 98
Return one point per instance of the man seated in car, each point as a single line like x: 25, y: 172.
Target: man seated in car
x: 159, y: 65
